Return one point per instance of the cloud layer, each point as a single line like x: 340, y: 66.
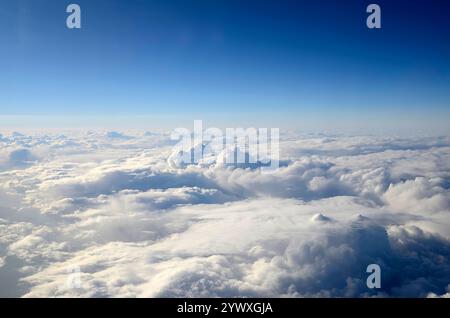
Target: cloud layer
x: 114, y: 213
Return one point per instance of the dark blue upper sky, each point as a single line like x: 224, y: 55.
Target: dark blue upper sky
x: 214, y: 56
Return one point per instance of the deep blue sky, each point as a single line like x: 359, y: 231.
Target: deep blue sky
x: 210, y: 57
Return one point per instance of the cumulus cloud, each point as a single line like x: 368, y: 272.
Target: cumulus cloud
x: 119, y: 215
x: 17, y: 159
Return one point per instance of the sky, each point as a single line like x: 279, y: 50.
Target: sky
x: 124, y: 211
x: 282, y: 61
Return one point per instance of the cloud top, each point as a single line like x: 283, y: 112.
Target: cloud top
x: 116, y: 214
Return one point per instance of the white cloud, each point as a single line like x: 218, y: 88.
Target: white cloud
x: 137, y: 224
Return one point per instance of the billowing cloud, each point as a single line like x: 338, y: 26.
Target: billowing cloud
x: 114, y: 214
